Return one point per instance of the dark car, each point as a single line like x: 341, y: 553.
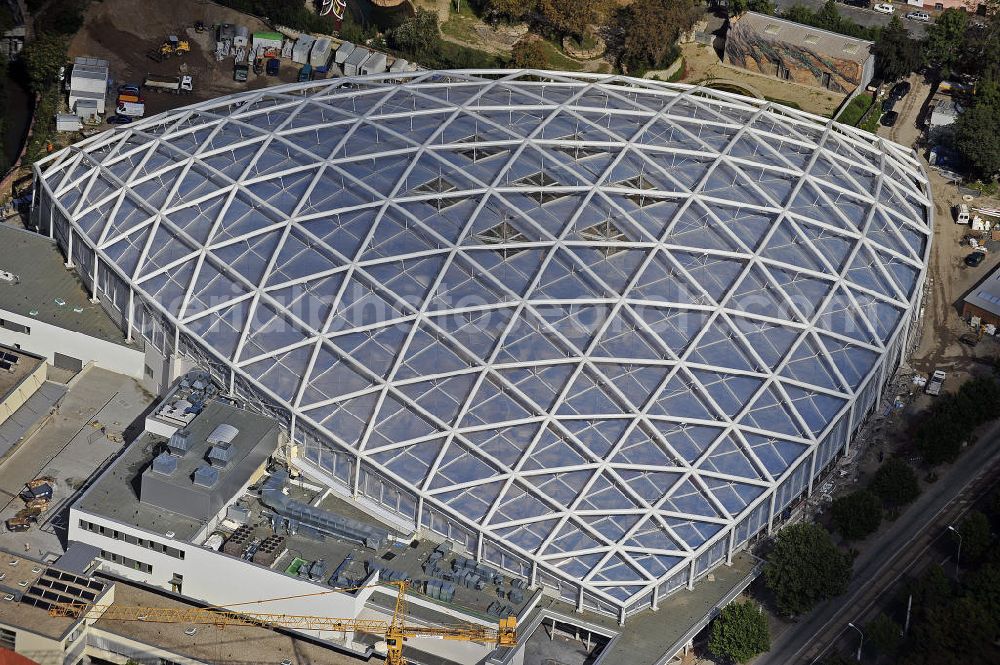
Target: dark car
x: 119, y: 119
x: 128, y: 89
x: 969, y: 339
x: 273, y: 67
x: 889, y: 119
x: 899, y: 90
x: 888, y: 103
x: 974, y: 259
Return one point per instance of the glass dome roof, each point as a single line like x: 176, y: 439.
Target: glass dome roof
x: 598, y: 319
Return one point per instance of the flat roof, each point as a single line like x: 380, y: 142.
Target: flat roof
x: 211, y: 644
x: 24, y: 615
x: 114, y: 495
x: 25, y: 366
x: 804, y: 36
x: 42, y: 279
x: 986, y: 294
x: 647, y: 636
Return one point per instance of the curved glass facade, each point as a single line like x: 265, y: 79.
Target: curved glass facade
x: 597, y: 330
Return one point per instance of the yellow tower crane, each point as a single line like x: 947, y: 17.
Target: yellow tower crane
x: 395, y: 631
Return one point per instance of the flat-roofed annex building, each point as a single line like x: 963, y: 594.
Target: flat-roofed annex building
x: 597, y: 331
x: 799, y: 53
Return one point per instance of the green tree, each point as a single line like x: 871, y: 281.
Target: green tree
x: 895, y: 483
x: 416, y: 35
x: 856, y: 515
x: 569, y: 18
x: 737, y: 7
x: 944, y: 39
x: 896, y: 54
x: 983, y: 586
x: 975, y: 531
x: 739, y: 633
x: 509, y: 10
x: 883, y: 634
x: 805, y: 567
x: 42, y: 59
x: 528, y: 53
x: 958, y: 633
x: 977, y: 138
x: 933, y: 589
x: 644, y: 35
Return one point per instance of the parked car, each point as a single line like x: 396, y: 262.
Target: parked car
x: 273, y: 66
x: 900, y: 90
x: 969, y: 339
x: 919, y: 16
x: 119, y: 119
x: 129, y: 89
x: 888, y: 103
x: 889, y: 119
x: 973, y: 260
x: 884, y: 8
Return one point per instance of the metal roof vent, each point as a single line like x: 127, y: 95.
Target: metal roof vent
x: 180, y: 442
x: 206, y: 476
x: 219, y: 455
x: 223, y: 434
x: 165, y: 463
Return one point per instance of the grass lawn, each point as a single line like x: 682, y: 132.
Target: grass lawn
x: 461, y: 25
x: 784, y: 102
x: 852, y: 114
x: 556, y: 59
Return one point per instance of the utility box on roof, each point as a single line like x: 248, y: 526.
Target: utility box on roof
x: 88, y: 81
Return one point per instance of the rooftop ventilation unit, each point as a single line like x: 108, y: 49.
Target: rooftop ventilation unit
x: 220, y: 454
x: 165, y: 463
x: 223, y: 434
x: 180, y: 442
x: 206, y: 476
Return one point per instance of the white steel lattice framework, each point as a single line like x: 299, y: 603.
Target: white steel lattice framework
x: 600, y: 330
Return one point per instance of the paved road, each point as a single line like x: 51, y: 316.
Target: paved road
x: 891, y: 553
x: 860, y: 15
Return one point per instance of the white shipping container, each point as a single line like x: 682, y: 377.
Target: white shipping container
x: 373, y: 64
x: 303, y: 46
x: 319, y: 57
x: 345, y: 50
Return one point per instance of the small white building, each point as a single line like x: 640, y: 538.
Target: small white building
x: 945, y: 112
x: 265, y: 41
x: 87, y: 110
x: 88, y: 81
x: 68, y: 122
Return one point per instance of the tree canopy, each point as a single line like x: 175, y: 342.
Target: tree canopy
x: 739, y: 633
x: 528, y: 53
x: 944, y: 39
x: 805, y: 567
x: 895, y: 483
x: 643, y: 35
x: 883, y: 634
x: 896, y: 53
x: 975, y: 531
x: 949, y: 423
x: 856, y: 515
x: 416, y: 35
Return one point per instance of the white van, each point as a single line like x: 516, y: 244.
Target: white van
x: 962, y: 214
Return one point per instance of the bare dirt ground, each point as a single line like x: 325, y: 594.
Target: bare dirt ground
x: 124, y: 31
x: 701, y: 63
